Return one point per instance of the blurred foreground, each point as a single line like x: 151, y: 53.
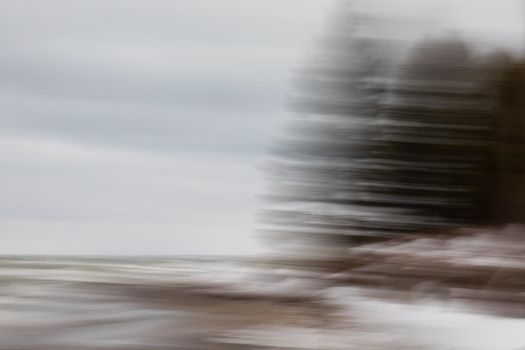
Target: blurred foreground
x: 461, y: 291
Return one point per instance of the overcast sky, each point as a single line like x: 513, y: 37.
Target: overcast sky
x: 139, y: 127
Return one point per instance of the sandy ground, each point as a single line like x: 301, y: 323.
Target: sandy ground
x: 465, y: 293
x: 45, y: 312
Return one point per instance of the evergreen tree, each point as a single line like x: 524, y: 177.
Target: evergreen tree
x: 379, y: 148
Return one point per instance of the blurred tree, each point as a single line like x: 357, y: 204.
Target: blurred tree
x: 318, y: 170
x: 509, y: 183
x: 379, y: 147
x: 432, y: 152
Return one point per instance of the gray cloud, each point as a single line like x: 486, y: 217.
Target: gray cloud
x: 137, y: 127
